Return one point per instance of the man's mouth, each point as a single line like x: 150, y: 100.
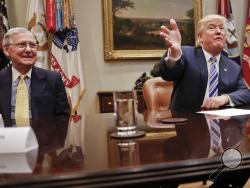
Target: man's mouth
x: 219, y: 38
x: 28, y: 57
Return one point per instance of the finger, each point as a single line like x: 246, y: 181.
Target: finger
x: 205, y: 106
x: 168, y: 43
x: 208, y: 103
x: 173, y: 24
x: 205, y: 103
x: 163, y: 35
x: 214, y: 104
x: 165, y: 29
x: 166, y: 39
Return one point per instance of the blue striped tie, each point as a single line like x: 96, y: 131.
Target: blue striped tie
x: 215, y: 134
x: 213, y: 79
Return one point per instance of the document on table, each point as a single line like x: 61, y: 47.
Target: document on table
x: 226, y: 112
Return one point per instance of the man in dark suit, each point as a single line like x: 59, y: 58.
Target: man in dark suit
x: 189, y: 68
x: 46, y: 91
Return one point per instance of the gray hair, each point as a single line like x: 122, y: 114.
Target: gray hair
x: 203, y: 23
x: 7, y: 38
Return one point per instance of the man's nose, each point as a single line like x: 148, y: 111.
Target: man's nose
x: 218, y: 30
x: 28, y: 48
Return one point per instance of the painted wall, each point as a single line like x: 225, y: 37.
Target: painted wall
x: 120, y: 75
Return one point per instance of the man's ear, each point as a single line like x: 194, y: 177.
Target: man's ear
x: 6, y: 51
x: 200, y: 39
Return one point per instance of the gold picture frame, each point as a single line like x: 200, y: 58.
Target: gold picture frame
x: 111, y: 52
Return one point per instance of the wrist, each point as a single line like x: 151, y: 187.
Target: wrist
x: 172, y: 59
x: 175, y: 52
x: 227, y: 100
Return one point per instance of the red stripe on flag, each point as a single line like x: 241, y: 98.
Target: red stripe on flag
x: 246, y: 50
x: 224, y: 8
x: 221, y: 7
x: 50, y: 15
x: 69, y: 83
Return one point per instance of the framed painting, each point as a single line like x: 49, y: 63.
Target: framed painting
x: 131, y: 27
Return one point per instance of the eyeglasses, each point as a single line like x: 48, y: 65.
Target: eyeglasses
x: 23, y: 45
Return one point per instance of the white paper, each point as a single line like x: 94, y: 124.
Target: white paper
x: 17, y: 140
x: 227, y: 112
x: 18, y: 150
x: 18, y: 163
x: 1, y: 121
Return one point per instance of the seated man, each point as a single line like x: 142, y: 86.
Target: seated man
x: 203, y: 77
x: 40, y: 92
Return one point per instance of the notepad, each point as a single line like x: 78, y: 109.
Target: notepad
x: 226, y: 112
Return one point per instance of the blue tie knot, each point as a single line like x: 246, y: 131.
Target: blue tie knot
x: 213, y: 60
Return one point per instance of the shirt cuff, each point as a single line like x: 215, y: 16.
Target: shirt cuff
x: 172, y: 59
x: 230, y: 101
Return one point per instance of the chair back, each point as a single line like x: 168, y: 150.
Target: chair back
x: 157, y: 93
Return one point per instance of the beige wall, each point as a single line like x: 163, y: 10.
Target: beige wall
x: 121, y: 75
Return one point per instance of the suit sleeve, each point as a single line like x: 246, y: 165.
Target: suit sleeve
x: 172, y: 72
x: 242, y: 95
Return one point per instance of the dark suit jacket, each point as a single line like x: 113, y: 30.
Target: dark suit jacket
x: 192, y: 137
x: 232, y: 131
x: 48, y: 95
x: 190, y: 77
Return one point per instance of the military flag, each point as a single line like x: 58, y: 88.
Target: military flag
x: 65, y: 53
x: 35, y: 19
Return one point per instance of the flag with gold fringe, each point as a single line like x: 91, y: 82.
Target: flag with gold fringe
x: 35, y: 19
x: 65, y: 50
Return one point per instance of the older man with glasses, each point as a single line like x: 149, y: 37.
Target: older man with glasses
x: 27, y: 91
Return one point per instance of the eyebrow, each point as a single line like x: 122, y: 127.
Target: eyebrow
x: 212, y: 24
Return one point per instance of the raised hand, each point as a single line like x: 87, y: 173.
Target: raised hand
x: 172, y: 38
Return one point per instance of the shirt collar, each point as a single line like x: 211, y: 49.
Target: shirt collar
x: 16, y: 74
x: 208, y: 56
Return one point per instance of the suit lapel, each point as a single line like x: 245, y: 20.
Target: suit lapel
x: 223, y: 73
x: 5, y: 94
x: 38, y: 87
x: 201, y: 60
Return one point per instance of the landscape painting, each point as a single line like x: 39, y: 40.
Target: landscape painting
x: 131, y: 27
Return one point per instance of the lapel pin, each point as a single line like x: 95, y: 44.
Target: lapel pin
x: 225, y: 69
